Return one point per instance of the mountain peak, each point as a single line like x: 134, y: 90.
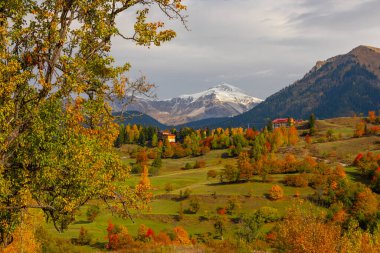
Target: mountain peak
x: 223, y: 100
x: 364, y: 48
x: 226, y: 87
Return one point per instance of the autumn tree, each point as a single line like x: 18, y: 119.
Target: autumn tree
x: 292, y: 136
x: 303, y: 230
x: 308, y: 139
x: 276, y: 192
x: 181, y: 236
x: 56, y: 76
x: 244, y: 165
x: 142, y: 157
x: 143, y: 188
x: 371, y: 116
x: 360, y: 129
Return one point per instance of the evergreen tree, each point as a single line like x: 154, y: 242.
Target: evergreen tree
x: 154, y: 140
x: 312, y: 125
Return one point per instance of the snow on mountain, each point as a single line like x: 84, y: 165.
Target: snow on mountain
x: 223, y: 100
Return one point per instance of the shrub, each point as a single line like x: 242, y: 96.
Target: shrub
x: 154, y: 171
x: 188, y: 166
x: 200, y: 164
x: 276, y: 192
x: 297, y: 180
x: 84, y: 237
x: 221, y: 210
x: 194, y: 205
x: 269, y: 214
x: 233, y: 205
x: 152, y: 154
x: 136, y: 169
x: 92, y: 212
x: 186, y: 193
x: 168, y: 187
x: 212, y: 174
x: 180, y: 212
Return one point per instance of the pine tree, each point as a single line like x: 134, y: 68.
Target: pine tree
x: 312, y: 125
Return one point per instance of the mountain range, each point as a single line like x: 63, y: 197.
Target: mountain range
x: 223, y: 100
x: 343, y: 85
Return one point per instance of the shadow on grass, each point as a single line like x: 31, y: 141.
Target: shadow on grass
x: 232, y: 183
x: 80, y: 222
x: 99, y: 245
x: 357, y: 177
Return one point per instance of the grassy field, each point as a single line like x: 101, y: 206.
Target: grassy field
x: 212, y: 194
x: 164, y: 207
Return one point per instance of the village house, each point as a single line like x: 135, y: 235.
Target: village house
x: 283, y: 122
x: 163, y: 135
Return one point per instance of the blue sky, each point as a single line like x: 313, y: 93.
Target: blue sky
x: 259, y: 46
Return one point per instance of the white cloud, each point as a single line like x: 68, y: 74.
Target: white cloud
x: 257, y: 45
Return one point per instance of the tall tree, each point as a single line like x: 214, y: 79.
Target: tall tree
x: 312, y: 125
x: 56, y: 76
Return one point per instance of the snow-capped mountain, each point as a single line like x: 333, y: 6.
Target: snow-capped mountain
x: 223, y: 100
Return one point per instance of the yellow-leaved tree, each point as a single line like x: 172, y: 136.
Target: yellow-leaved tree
x: 57, y: 77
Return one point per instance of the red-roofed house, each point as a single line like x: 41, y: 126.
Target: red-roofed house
x: 167, y: 135
x: 283, y: 122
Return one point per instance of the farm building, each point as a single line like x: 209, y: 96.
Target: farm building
x: 283, y: 122
x: 163, y: 135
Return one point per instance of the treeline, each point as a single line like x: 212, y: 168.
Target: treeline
x: 198, y: 142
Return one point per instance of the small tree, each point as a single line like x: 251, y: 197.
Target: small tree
x: 308, y: 139
x: 233, y: 205
x: 312, y: 129
x: 84, y: 237
x: 276, y: 192
x: 249, y: 227
x: 230, y: 174
x: 220, y: 225
x: 212, y: 174
x: 188, y: 166
x: 194, y: 205
x: 180, y: 212
x: 154, y: 140
x: 92, y: 212
x: 168, y: 187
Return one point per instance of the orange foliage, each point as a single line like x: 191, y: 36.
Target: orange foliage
x: 250, y: 134
x: 143, y: 188
x: 293, y: 136
x: 142, y: 157
x: 340, y: 216
x: 339, y: 170
x: 276, y: 192
x: 23, y: 241
x: 303, y: 231
x: 221, y: 210
x: 113, y: 237
x: 162, y: 238
x: 245, y: 166
x: 371, y: 116
x: 360, y: 129
x: 181, y: 236
x: 308, y: 139
x: 366, y: 202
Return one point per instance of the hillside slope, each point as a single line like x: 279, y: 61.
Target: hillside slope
x: 340, y: 86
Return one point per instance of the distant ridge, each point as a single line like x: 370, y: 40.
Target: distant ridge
x: 223, y: 100
x: 139, y: 118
